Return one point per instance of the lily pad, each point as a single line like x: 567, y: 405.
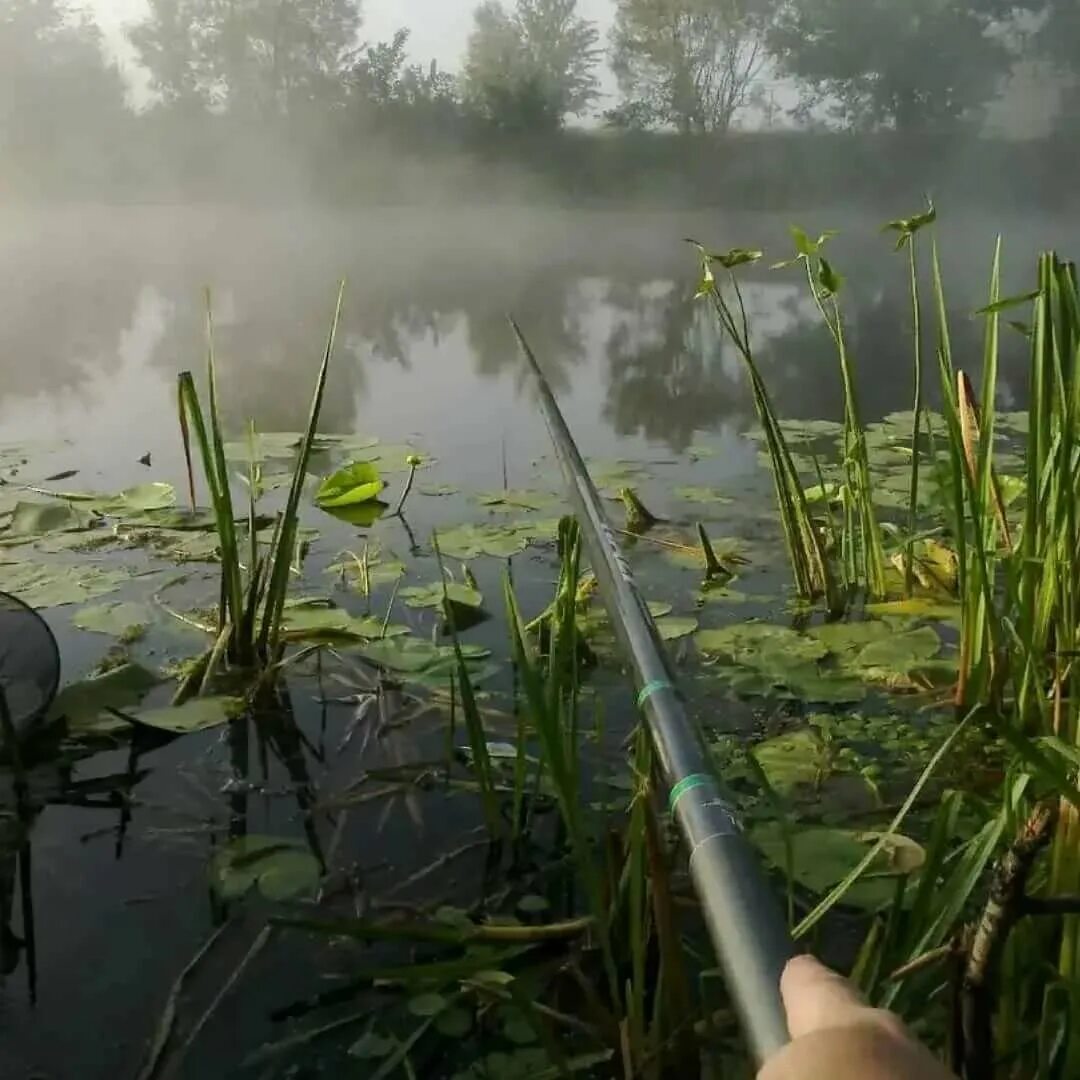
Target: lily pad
x: 45, y: 585
x: 82, y: 703
x: 437, y: 491
x: 701, y: 495
x: 429, y: 1004
x: 822, y: 858
x: 454, y: 1023
x: 918, y: 607
x: 378, y: 571
x: 152, y: 496
x: 471, y: 541
x: 792, y: 760
x: 761, y: 644
x: 849, y: 637
x: 198, y: 714
x: 431, y: 596
x: 523, y: 499
x: 356, y: 483
x: 30, y: 519
x: 372, y: 1047
x: 413, y: 656
x: 116, y: 618
x: 317, y: 619
x: 278, y: 869
x: 673, y: 627
x: 900, y: 652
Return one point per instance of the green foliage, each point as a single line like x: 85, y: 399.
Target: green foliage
x: 253, y: 58
x: 279, y: 869
x: 690, y: 64
x: 353, y: 484
x: 917, y: 65
x: 527, y: 69
x: 254, y: 583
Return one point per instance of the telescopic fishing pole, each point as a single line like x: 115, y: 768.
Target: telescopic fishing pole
x: 744, y: 920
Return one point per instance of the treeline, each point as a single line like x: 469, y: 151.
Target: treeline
x: 253, y: 97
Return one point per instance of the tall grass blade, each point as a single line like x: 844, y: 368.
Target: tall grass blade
x: 281, y: 557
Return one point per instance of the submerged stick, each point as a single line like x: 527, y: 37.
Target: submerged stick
x: 743, y: 917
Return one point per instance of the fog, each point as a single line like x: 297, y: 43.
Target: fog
x: 762, y: 103
x: 541, y: 156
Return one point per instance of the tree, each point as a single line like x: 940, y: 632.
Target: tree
x: 531, y: 68
x: 274, y: 57
x: 690, y: 64
x: 915, y: 65
x: 404, y: 98
x: 60, y: 102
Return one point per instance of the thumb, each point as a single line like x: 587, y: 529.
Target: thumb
x: 816, y: 998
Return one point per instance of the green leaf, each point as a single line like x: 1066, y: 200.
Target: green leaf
x: 31, y: 519
x: 45, y: 585
x: 352, y: 485
x: 412, y: 656
x: 822, y: 858
x: 1008, y: 302
x: 761, y: 644
x: 454, y: 1023
x: 823, y: 493
x: 850, y: 637
x: 372, y: 1047
x: 82, y: 703
x: 533, y: 905
x: 701, y: 495
x: 517, y: 1029
x: 317, y: 619
x: 115, y: 618
x: 278, y: 869
x: 830, y: 281
x: 729, y: 260
x: 198, y: 714
x: 431, y: 596
x: 918, y: 607
x: 792, y: 760
x: 471, y: 541
x: 152, y: 496
x: 900, y: 652
x: 517, y: 500
x: 673, y: 627
x: 425, y: 1005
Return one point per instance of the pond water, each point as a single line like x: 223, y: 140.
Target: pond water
x: 102, y: 307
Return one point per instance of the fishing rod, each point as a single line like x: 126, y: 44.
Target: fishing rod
x: 743, y: 918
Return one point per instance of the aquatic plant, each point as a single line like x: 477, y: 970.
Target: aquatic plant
x: 254, y: 584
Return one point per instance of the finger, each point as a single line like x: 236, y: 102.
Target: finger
x: 816, y: 998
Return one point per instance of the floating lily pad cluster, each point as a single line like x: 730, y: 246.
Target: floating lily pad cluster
x: 837, y: 662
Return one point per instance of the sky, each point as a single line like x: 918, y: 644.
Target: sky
x: 439, y: 27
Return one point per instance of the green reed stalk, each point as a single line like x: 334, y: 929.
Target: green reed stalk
x: 916, y: 327
x: 550, y: 698
x: 813, y: 575
x: 217, y: 482
x: 474, y: 722
x: 863, y: 545
x: 281, y: 557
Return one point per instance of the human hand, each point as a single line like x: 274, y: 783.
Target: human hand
x: 835, y: 1035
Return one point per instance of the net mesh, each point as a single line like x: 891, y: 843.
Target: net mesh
x: 29, y: 662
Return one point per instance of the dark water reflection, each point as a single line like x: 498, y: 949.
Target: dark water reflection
x: 101, y: 308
